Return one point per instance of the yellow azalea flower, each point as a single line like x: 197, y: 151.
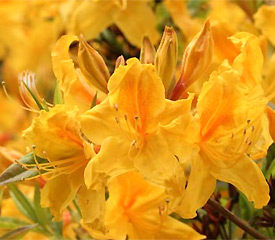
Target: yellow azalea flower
x: 232, y: 125
x: 134, y: 18
x: 264, y: 19
x: 56, y: 136
x: 129, y: 126
x: 136, y: 209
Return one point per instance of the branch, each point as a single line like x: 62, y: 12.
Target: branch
x: 239, y: 222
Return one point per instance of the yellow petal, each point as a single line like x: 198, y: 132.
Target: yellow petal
x: 158, y: 164
x: 100, y: 122
x: 264, y: 19
x: 221, y: 94
x: 63, y: 65
x: 249, y: 63
x: 111, y: 161
x: 173, y: 108
x: 174, y: 229
x: 137, y: 92
x: 223, y: 47
x: 73, y: 84
x: 57, y: 197
x: 200, y: 187
x: 55, y: 134
x: 252, y: 183
x: 92, y: 206
x: 140, y: 22
x: 87, y: 18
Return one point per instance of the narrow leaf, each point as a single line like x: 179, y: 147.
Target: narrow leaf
x: 38, y: 103
x: 17, y: 172
x: 22, y: 203
x: 11, y: 223
x: 17, y: 233
x: 58, y: 97
x: 41, y: 213
x: 94, y: 100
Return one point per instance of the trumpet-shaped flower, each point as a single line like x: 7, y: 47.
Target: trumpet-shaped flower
x: 128, y: 126
x: 56, y: 136
x: 136, y: 209
x: 233, y: 132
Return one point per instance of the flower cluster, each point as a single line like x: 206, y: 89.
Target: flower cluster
x: 140, y: 148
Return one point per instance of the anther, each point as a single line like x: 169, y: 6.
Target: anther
x: 136, y: 118
x: 134, y: 142
x: 116, y: 119
x: 248, y: 120
x: 252, y: 128
x: 33, y: 146
x: 116, y: 106
x: 232, y: 135
x: 125, y: 117
x: 244, y: 131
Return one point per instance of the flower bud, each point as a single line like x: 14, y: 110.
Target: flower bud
x: 271, y: 120
x: 147, y: 52
x: 92, y: 66
x: 197, y: 58
x: 120, y: 61
x: 166, y: 58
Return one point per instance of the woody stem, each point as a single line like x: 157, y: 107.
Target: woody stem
x: 239, y: 222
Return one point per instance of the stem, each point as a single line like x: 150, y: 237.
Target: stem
x: 239, y: 222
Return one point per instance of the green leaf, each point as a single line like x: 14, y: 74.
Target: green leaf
x: 58, y: 97
x: 57, y: 227
x: 38, y: 103
x: 17, y: 233
x: 11, y: 223
x: 42, y: 214
x: 94, y: 101
x: 16, y: 172
x: 269, y: 163
x: 1, y: 196
x: 246, y: 207
x: 271, y: 170
x: 22, y: 203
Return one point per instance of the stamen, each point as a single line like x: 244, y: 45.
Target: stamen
x: 15, y: 102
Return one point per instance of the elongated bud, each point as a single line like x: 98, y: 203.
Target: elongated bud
x: 271, y: 120
x: 197, y: 58
x: 92, y: 65
x: 147, y: 52
x: 120, y: 61
x: 166, y: 58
